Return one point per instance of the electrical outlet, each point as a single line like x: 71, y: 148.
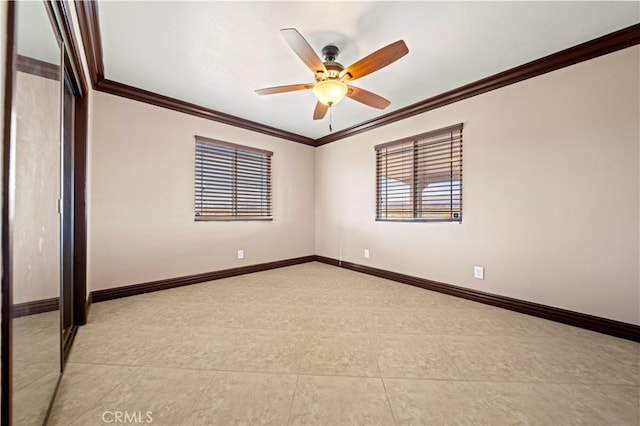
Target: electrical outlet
x: 478, y: 272
x: 240, y: 254
x: 366, y: 253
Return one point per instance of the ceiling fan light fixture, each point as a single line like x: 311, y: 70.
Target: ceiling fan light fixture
x: 330, y: 92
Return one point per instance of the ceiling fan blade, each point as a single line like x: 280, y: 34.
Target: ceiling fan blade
x: 282, y: 89
x: 320, y: 111
x: 302, y: 48
x: 375, y: 61
x: 367, y: 98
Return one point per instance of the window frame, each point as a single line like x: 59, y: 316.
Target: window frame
x: 244, y: 170
x: 417, y: 148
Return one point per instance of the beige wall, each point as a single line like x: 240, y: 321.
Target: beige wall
x: 142, y: 192
x: 550, y: 193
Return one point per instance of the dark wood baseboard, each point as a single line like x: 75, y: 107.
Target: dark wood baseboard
x: 577, y: 319
x: 135, y: 289
x: 36, y: 307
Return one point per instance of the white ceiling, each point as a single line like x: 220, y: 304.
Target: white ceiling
x: 215, y: 53
x: 35, y: 37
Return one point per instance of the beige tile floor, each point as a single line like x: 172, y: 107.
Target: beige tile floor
x: 314, y: 344
x: 36, y: 365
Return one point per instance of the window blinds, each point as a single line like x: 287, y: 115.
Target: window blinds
x: 420, y: 178
x: 232, y: 182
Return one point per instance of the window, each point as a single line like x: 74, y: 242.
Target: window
x: 420, y: 178
x: 233, y: 182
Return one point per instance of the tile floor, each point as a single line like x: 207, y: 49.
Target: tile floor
x: 36, y: 365
x: 313, y: 344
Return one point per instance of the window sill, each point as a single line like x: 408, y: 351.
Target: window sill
x: 232, y: 218
x: 459, y: 221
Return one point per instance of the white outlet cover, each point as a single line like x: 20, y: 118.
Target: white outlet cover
x: 478, y: 272
x: 240, y: 254
x: 366, y: 253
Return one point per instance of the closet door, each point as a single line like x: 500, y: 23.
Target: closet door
x: 43, y: 205
x: 34, y: 190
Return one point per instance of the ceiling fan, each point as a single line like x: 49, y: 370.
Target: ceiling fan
x: 332, y: 77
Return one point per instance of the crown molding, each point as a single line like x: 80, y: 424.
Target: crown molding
x: 609, y: 43
x: 61, y: 11
x: 90, y: 32
x: 137, y: 94
x: 87, y: 12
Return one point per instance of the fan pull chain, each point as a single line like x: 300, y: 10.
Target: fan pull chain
x: 330, y: 119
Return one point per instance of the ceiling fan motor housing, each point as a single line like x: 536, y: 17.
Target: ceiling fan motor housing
x: 333, y: 71
x: 330, y: 53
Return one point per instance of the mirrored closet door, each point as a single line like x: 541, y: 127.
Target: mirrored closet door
x: 40, y: 301
x: 36, y: 225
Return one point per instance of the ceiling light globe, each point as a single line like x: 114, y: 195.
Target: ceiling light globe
x: 330, y: 92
